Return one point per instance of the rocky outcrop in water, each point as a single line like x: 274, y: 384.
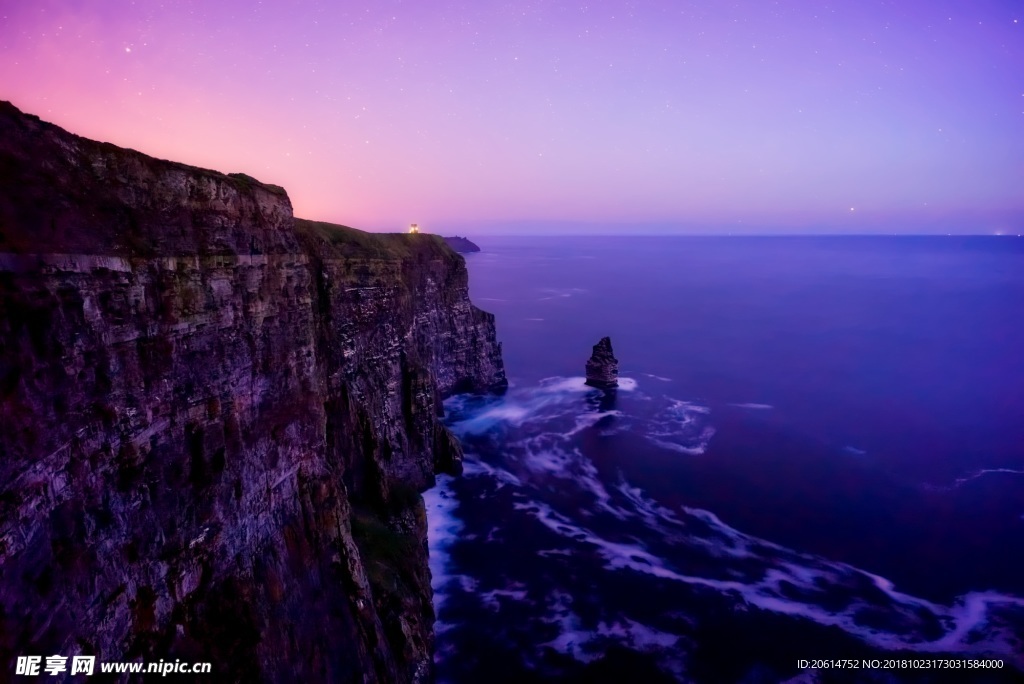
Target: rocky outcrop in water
x: 603, y: 367
x: 461, y: 244
x: 217, y: 419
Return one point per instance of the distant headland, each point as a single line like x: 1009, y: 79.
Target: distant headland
x: 461, y: 244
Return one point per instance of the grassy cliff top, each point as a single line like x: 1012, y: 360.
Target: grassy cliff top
x: 350, y: 243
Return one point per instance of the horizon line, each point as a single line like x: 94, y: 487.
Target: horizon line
x: 464, y: 234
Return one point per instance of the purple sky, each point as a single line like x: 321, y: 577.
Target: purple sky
x: 526, y: 116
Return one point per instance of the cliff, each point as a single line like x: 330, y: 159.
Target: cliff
x: 461, y: 244
x: 217, y: 419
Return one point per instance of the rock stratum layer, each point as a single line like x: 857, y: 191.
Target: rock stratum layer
x: 217, y: 419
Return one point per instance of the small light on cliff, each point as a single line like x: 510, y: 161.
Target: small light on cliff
x: 414, y: 228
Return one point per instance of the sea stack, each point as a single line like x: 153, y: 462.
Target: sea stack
x: 603, y: 367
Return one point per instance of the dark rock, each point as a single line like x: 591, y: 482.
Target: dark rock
x: 603, y: 367
x: 461, y: 244
x: 217, y: 420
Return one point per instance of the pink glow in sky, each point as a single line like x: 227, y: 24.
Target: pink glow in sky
x: 475, y: 116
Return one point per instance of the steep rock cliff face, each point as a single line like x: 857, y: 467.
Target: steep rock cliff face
x: 216, y: 419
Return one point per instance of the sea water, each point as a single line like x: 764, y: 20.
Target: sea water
x: 816, y: 452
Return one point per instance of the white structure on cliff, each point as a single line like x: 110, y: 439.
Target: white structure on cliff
x: 414, y: 228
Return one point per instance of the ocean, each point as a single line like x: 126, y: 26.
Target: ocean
x: 813, y: 468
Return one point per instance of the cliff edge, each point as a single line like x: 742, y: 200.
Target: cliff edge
x: 217, y: 419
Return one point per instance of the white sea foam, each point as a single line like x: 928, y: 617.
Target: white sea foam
x: 637, y: 635
x: 960, y: 481
x: 510, y: 413
x: 688, y: 450
x: 687, y: 407
x: 970, y: 623
x: 654, y: 514
x: 443, y: 529
x: 987, y: 471
x: 692, y: 446
x: 579, y: 384
x: 505, y: 411
x: 681, y: 427
x: 563, y: 384
x: 658, y: 377
x: 474, y: 467
x: 536, y: 403
x: 547, y: 456
x: 560, y: 292
x: 571, y: 636
x: 748, y: 570
x: 494, y: 598
x: 585, y: 645
x: 628, y: 384
x: 589, y: 644
x: 588, y: 420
